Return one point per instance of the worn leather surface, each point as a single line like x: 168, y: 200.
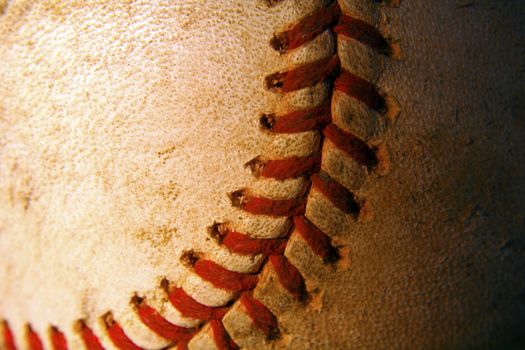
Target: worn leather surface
x: 124, y: 125
x: 441, y: 264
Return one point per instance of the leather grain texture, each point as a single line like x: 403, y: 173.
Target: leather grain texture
x: 439, y: 265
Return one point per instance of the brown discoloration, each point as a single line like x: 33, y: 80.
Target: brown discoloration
x: 158, y: 237
x: 3, y: 6
x: 165, y: 152
x: 272, y: 3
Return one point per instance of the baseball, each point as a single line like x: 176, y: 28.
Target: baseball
x: 262, y: 174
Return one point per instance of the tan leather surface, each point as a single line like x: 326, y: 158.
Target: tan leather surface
x: 124, y: 126
x: 441, y: 264
x: 438, y: 265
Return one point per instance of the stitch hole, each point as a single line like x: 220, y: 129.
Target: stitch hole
x: 136, y: 300
x: 332, y: 256
x: 188, y: 258
x: 108, y: 319
x: 256, y: 166
x: 267, y: 121
x: 275, y: 81
x: 279, y: 42
x: 238, y: 198
x: 165, y: 285
x: 217, y: 231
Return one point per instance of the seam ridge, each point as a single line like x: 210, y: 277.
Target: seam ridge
x: 242, y: 284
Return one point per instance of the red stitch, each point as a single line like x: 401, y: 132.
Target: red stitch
x: 153, y: 320
x: 117, y: 335
x: 289, y: 276
x: 339, y: 195
x: 189, y: 307
x: 58, y: 339
x: 91, y: 342
x: 182, y: 346
x: 282, y: 169
x: 298, y: 121
x: 292, y: 167
x: 306, y: 29
x: 244, y: 244
x: 9, y: 340
x: 303, y: 76
x: 318, y: 241
x: 261, y: 316
x: 274, y: 207
x: 359, y: 88
x: 221, y: 337
x: 33, y: 340
x: 266, y: 206
x: 351, y: 145
x: 223, y: 278
x: 362, y: 32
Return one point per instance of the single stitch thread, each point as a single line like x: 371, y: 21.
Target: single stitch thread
x: 58, y: 339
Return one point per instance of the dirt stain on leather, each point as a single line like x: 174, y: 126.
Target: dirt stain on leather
x: 157, y: 238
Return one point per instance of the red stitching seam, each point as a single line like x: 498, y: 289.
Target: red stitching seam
x: 245, y: 245
x: 58, y: 339
x: 317, y: 118
x: 351, y: 145
x: 318, y: 241
x: 192, y: 308
x: 298, y: 121
x: 117, y: 334
x: 265, y: 206
x: 223, y: 278
x: 221, y: 337
x: 151, y: 318
x: 282, y: 169
x: 33, y: 340
x: 261, y: 315
x: 9, y: 340
x: 88, y: 337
